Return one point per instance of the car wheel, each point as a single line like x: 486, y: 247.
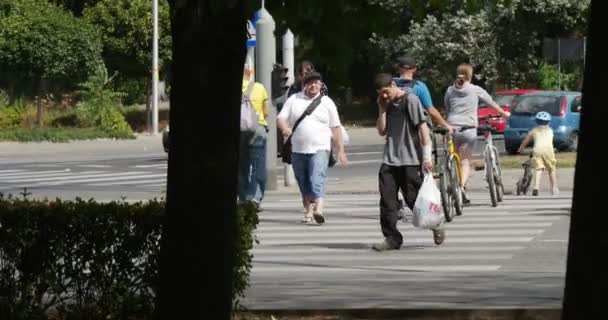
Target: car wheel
x: 573, y: 142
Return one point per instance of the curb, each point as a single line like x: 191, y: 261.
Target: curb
x: 414, y: 314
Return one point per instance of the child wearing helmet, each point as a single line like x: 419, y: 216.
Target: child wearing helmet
x: 543, y: 156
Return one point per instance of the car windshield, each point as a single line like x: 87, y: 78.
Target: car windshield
x: 501, y: 100
x: 535, y: 104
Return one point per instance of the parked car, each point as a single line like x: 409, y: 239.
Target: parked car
x: 504, y: 100
x: 564, y: 107
x: 166, y: 138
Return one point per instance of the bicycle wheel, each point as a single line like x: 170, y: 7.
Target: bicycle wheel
x: 446, y: 199
x: 455, y: 185
x: 500, y: 189
x: 491, y: 179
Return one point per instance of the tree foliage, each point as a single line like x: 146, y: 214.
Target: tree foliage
x: 40, y: 41
x: 503, y: 36
x: 440, y: 45
x: 126, y: 31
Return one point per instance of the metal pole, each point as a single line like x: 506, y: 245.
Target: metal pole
x: 584, y: 50
x: 559, y: 65
x: 288, y: 62
x: 155, y: 67
x: 265, y: 60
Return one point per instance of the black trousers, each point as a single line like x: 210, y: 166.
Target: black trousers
x: 391, y: 179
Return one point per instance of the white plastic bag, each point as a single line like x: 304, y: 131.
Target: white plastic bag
x: 427, y: 208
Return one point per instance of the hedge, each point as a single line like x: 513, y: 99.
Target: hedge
x: 89, y: 260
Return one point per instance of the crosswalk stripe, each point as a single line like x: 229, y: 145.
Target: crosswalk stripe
x: 371, y: 239
x: 303, y: 269
x: 344, y: 218
x: 61, y: 173
x: 75, y: 177
x: 113, y: 178
x: 266, y: 227
x: 263, y: 249
x: 162, y: 165
x: 417, y: 232
x: 362, y: 212
x: 10, y: 171
x: 141, y: 182
x: 354, y: 259
x: 94, y: 166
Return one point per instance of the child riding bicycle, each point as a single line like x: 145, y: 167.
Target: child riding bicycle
x: 543, y: 156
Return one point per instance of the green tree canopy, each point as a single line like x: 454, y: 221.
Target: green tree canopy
x: 440, y: 46
x: 40, y: 41
x: 126, y: 31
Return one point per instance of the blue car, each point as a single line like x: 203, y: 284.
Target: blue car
x: 565, y: 109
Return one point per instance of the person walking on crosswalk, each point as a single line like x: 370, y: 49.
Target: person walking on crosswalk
x: 317, y: 122
x: 407, y: 152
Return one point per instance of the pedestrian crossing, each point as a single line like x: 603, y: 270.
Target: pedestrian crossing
x: 87, y: 176
x: 483, y: 239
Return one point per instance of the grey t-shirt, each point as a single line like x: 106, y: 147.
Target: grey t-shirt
x: 402, y: 146
x: 462, y: 102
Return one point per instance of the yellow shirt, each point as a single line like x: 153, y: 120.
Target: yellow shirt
x: 543, y: 140
x: 258, y: 97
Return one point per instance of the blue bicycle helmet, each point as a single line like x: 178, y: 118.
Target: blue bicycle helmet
x: 543, y: 116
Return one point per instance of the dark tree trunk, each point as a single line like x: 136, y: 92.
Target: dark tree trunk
x: 586, y: 276
x: 197, y: 255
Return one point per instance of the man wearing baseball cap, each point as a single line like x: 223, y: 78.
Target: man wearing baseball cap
x: 405, y: 81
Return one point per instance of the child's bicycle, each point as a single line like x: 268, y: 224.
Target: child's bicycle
x: 523, y: 184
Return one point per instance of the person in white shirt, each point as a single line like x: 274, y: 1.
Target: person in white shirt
x: 311, y: 143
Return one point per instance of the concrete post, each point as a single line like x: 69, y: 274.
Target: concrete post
x: 265, y: 59
x: 288, y: 62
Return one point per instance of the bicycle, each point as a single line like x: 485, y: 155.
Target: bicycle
x: 523, y: 184
x: 492, y: 164
x: 449, y: 174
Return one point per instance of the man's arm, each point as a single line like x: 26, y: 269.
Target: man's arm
x: 266, y: 108
x: 339, y: 142
x: 427, y: 103
x: 436, y: 116
x: 282, y: 117
x: 381, y: 121
x: 425, y: 141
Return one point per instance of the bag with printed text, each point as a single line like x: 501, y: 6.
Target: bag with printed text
x: 427, y: 208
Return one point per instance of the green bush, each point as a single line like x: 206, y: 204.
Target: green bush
x: 11, y: 117
x: 89, y: 260
x: 100, y: 106
x: 59, y: 134
x: 549, y: 78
